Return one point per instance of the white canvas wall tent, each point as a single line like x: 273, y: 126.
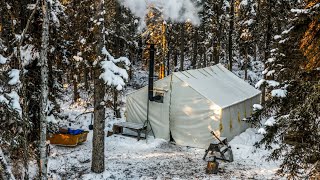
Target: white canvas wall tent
x: 194, y: 103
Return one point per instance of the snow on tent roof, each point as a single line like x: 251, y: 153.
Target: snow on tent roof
x: 218, y: 85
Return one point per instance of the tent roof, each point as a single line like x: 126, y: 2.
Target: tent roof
x: 218, y: 84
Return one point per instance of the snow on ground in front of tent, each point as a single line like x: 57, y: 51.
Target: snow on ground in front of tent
x: 127, y: 158
x: 250, y: 160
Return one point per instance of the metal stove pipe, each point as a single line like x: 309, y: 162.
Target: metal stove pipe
x: 151, y: 72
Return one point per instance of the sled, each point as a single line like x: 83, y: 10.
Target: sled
x: 68, y: 139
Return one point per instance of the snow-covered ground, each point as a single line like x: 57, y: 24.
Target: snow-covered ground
x: 127, y: 158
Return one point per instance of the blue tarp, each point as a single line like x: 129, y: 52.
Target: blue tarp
x: 74, y: 131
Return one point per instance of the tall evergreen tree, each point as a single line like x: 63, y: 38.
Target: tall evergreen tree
x: 294, y: 94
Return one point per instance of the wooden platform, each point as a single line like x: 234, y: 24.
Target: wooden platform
x: 137, y: 127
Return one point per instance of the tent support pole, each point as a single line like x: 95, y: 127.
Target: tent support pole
x: 148, y: 123
x: 150, y: 86
x: 170, y: 107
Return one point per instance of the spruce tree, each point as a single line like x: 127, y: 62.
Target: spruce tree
x: 294, y: 94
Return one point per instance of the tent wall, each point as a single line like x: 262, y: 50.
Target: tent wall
x: 196, y: 102
x: 158, y: 112
x: 231, y: 122
x: 192, y: 116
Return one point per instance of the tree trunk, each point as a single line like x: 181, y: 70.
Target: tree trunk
x: 97, y: 164
x: 175, y: 58
x: 51, y: 80
x: 132, y: 63
x: 118, y: 41
x: 86, y: 76
x: 168, y: 59
x: 23, y: 14
x: 195, y: 50
x: 140, y: 50
x: 182, y: 47
x: 256, y: 34
x: 204, y: 59
x: 230, y: 34
x: 115, y: 103
x: 267, y: 49
x: 76, y: 94
x: 246, y: 63
x: 23, y: 90
x: 43, y: 62
x: 219, y: 32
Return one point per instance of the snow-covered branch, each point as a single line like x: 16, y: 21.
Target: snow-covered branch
x: 114, y: 75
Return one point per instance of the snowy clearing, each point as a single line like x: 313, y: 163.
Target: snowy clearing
x: 127, y: 158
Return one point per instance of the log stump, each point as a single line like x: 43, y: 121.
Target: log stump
x: 212, y: 167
